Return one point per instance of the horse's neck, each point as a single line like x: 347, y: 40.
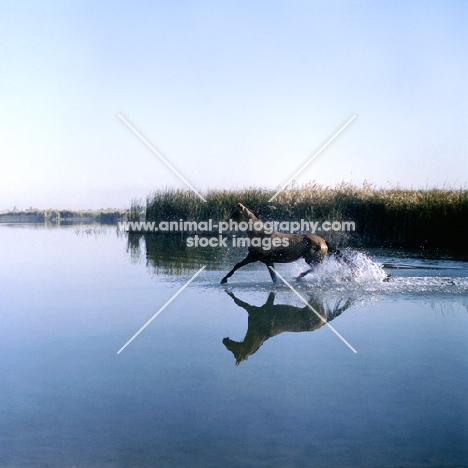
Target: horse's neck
x: 255, y: 232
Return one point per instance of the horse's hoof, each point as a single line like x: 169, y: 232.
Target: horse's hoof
x: 223, y: 281
x: 388, y: 279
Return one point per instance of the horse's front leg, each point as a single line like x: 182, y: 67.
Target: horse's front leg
x: 246, y: 261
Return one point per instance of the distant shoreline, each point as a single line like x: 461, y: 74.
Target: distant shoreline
x: 107, y: 216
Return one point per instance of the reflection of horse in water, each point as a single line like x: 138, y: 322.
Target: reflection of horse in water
x: 283, y: 248
x: 270, y: 320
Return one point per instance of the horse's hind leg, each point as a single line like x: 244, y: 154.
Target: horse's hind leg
x: 339, y: 255
x: 312, y: 259
x: 304, y: 273
x: 246, y: 261
x: 312, y: 263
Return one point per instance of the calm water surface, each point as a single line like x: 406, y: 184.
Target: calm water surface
x: 175, y: 397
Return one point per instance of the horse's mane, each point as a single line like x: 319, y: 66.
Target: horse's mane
x: 255, y: 214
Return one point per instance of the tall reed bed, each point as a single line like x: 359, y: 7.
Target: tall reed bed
x: 432, y: 218
x: 184, y: 204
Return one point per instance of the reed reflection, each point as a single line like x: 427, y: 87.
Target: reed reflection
x: 168, y: 254
x: 271, y: 319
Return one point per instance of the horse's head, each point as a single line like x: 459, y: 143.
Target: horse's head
x: 240, y: 350
x: 242, y: 213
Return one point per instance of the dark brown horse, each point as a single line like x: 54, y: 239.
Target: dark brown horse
x: 284, y: 248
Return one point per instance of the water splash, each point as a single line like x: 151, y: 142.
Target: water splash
x: 347, y: 266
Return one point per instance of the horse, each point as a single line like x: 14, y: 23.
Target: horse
x: 283, y: 248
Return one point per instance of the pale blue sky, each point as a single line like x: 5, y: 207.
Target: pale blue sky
x: 232, y: 93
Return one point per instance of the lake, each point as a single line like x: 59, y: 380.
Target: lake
x: 244, y: 374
